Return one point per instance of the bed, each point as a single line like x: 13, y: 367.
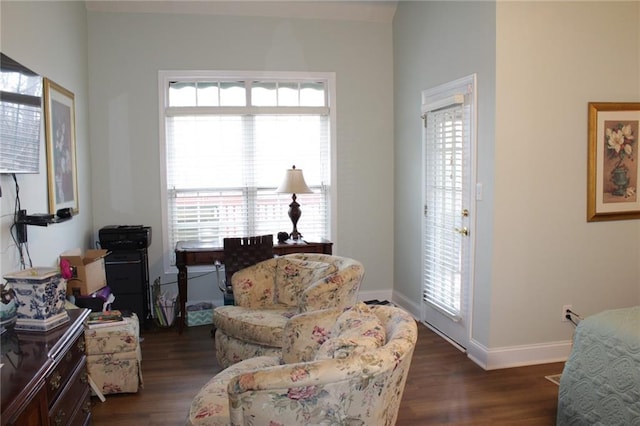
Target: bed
x: 600, y: 383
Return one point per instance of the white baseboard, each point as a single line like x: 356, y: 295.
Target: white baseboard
x: 408, y: 305
x: 518, y: 356
x: 503, y: 357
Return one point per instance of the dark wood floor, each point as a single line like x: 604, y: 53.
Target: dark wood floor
x: 444, y: 387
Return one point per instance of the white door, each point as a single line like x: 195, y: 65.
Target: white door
x: 449, y: 207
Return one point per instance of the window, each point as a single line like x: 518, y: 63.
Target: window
x: 227, y: 140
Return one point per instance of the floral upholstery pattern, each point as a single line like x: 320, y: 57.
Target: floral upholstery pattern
x: 211, y: 406
x: 269, y: 293
x: 115, y: 372
x: 114, y: 356
x: 230, y: 350
x: 357, y: 330
x: 360, y: 389
x: 260, y: 326
x: 119, y: 338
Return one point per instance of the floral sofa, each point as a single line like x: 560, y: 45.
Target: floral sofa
x: 270, y: 292
x: 336, y: 367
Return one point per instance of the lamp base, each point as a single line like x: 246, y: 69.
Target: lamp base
x: 294, y: 215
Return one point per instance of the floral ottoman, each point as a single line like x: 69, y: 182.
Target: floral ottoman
x: 114, y: 357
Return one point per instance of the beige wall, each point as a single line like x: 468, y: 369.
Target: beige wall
x: 552, y: 59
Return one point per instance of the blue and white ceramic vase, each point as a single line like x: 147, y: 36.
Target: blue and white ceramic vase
x: 8, y: 306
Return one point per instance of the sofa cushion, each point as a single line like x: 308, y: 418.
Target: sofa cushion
x: 356, y: 331
x: 263, y: 326
x: 293, y: 276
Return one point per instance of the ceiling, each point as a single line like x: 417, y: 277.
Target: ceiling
x: 350, y: 10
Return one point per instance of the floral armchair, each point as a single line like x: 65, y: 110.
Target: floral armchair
x: 270, y: 292
x: 337, y: 367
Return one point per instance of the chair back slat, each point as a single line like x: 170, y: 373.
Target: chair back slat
x: 241, y: 252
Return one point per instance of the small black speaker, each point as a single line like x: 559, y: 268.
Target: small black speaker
x: 282, y: 237
x: 64, y: 213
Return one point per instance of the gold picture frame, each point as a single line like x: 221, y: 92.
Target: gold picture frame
x: 60, y: 134
x: 613, y: 161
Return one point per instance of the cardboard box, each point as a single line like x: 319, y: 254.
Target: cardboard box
x: 88, y: 271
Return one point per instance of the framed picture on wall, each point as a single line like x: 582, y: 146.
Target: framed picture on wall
x: 613, y: 161
x: 60, y: 134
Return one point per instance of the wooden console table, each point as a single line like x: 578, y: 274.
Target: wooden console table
x: 44, y: 375
x: 192, y: 253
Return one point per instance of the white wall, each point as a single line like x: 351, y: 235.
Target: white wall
x: 535, y: 251
x: 51, y: 39
x: 126, y: 50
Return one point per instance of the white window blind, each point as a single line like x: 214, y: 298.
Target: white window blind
x: 444, y: 168
x: 228, y: 146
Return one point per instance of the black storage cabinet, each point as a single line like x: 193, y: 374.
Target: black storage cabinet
x: 128, y: 277
x: 127, y: 267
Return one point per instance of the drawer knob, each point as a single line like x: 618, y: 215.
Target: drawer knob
x: 86, y: 407
x: 84, y: 377
x: 59, y: 417
x: 55, y: 381
x: 81, y: 345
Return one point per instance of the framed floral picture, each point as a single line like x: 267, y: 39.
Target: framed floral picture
x: 60, y: 134
x: 613, y: 161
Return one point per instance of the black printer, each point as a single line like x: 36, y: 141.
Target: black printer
x: 125, y: 237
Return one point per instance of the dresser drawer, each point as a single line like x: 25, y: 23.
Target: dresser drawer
x: 72, y: 398
x: 306, y: 248
x: 82, y: 416
x: 56, y: 380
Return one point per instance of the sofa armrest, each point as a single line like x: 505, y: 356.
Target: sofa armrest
x: 254, y: 286
x: 339, y: 289
x: 304, y: 333
x: 315, y: 373
x: 286, y: 385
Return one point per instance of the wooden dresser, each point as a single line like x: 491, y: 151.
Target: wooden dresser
x: 44, y: 376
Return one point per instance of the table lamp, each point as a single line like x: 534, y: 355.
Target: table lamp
x: 294, y: 184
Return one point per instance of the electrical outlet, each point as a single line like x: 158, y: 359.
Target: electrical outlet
x: 565, y: 308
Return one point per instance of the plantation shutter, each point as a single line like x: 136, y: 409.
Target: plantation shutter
x: 444, y: 249
x: 223, y: 171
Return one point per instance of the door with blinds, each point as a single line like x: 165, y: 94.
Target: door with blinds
x: 448, y: 112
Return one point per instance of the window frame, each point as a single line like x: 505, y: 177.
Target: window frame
x: 167, y: 76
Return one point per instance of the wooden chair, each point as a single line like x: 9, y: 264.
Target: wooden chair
x: 240, y: 253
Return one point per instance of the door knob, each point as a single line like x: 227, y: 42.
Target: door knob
x: 464, y: 231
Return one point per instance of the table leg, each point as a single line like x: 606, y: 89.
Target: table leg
x: 182, y: 295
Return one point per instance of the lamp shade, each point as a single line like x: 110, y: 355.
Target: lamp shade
x: 294, y: 183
